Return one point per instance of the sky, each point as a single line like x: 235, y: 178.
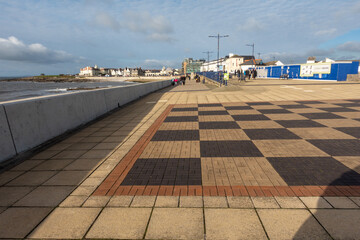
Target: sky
x: 62, y: 36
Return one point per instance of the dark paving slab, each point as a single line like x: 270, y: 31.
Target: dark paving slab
x: 213, y: 113
x: 190, y: 109
x: 250, y: 117
x: 218, y: 125
x: 338, y: 147
x: 161, y: 171
x: 323, y: 171
x: 181, y: 119
x: 321, y: 115
x: 229, y: 149
x: 275, y: 133
x: 298, y: 123
x: 176, y: 135
x: 353, y: 131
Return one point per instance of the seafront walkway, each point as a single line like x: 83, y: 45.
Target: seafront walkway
x: 266, y: 159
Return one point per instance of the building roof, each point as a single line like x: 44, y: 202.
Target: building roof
x: 253, y: 62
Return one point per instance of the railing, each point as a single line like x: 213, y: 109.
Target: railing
x: 216, y: 76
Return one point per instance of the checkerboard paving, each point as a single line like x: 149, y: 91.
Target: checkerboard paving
x: 299, y: 148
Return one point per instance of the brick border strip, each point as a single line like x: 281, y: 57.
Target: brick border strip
x: 114, y: 179
x: 253, y: 191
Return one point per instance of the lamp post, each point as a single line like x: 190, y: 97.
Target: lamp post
x: 253, y: 46
x: 218, y: 50
x: 208, y: 58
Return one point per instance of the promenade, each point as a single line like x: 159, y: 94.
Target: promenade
x: 266, y: 159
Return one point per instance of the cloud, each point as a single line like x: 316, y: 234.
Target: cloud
x: 350, y: 47
x: 251, y: 25
x: 106, y: 20
x: 326, y: 32
x: 156, y: 28
x: 12, y: 49
x: 155, y: 63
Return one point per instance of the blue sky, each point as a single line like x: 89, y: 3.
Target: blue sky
x: 54, y: 36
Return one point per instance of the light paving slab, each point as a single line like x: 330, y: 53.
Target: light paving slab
x: 315, y: 202
x: 143, y: 201
x: 291, y: 224
x: 176, y: 223
x: 341, y: 202
x: 191, y: 201
x: 45, y: 197
x: 120, y: 223
x: 289, y: 202
x: 18, y: 222
x: 215, y: 202
x: 233, y: 224
x: 65, y: 223
x: 73, y: 201
x: 83, y: 191
x: 97, y: 201
x: 340, y: 223
x: 120, y: 201
x: 167, y: 201
x: 356, y: 200
x: 240, y: 202
x: 265, y: 202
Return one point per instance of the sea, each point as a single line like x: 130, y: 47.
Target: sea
x: 14, y: 90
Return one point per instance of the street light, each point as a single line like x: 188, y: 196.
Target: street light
x: 208, y: 57
x: 253, y: 46
x: 218, y: 50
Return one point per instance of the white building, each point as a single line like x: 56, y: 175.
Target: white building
x: 89, y: 71
x: 211, y: 66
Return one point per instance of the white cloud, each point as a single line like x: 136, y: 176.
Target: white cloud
x: 350, y: 47
x: 12, y: 49
x: 155, y: 63
x: 326, y: 32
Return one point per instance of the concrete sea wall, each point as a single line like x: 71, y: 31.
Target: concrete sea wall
x: 25, y: 124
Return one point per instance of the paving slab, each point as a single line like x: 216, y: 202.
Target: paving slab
x: 341, y: 202
x: 356, y: 200
x: 10, y: 195
x: 120, y: 223
x: 167, y: 201
x: 67, y: 178
x: 73, y: 201
x: 265, y: 202
x: 143, y: 201
x: 240, y: 202
x: 52, y: 165
x: 97, y: 201
x: 291, y: 224
x: 45, y: 196
x: 66, y: 223
x: 289, y: 202
x: 83, y: 190
x: 120, y: 201
x: 6, y: 177
x: 27, y: 165
x: 191, y: 201
x: 315, y: 202
x: 176, y: 223
x: 215, y: 202
x: 19, y: 222
x: 340, y: 223
x: 32, y: 178
x: 233, y: 224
